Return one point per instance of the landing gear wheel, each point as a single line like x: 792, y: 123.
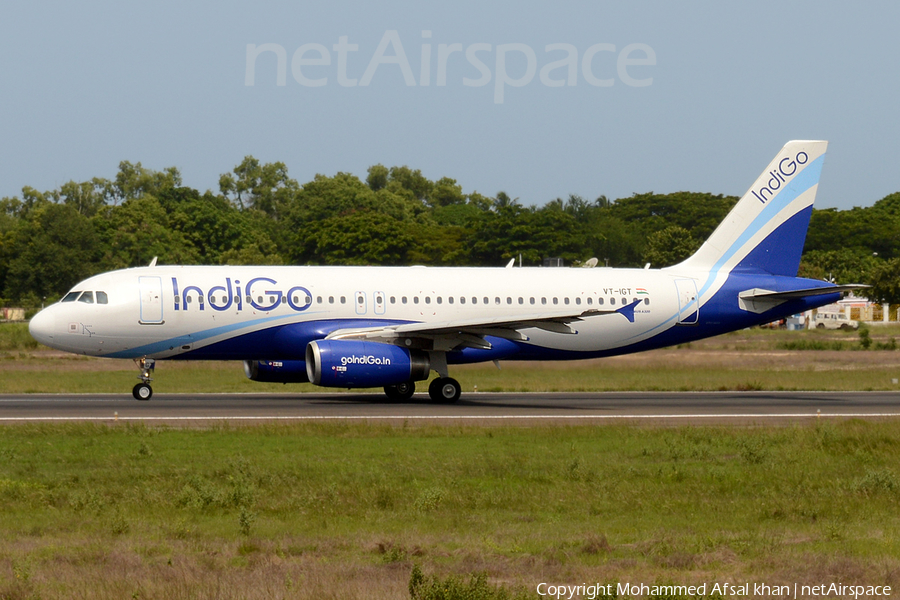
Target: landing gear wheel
x: 444, y: 390
x: 400, y: 391
x: 142, y: 391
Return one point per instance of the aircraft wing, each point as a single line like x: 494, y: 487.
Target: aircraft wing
x: 471, y: 333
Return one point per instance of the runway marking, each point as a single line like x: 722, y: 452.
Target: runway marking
x: 457, y: 417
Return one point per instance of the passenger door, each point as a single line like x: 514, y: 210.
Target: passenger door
x: 151, y: 301
x: 688, y: 302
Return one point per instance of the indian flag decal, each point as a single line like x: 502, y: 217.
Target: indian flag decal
x: 643, y: 291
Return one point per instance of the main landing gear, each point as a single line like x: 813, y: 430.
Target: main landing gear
x: 443, y: 390
x: 143, y: 391
x: 401, y: 391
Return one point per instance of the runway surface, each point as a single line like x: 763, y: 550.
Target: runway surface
x: 678, y: 407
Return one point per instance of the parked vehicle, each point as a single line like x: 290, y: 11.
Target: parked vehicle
x: 834, y: 321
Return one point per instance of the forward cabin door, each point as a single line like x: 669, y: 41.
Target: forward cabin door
x: 151, y: 301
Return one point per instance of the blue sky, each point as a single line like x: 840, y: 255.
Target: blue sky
x: 87, y: 85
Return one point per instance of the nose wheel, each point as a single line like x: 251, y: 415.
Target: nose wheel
x: 143, y: 391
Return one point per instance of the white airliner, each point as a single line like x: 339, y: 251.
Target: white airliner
x: 354, y: 327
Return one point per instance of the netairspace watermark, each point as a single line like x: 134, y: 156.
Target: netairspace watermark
x: 592, y: 591
x: 599, y: 65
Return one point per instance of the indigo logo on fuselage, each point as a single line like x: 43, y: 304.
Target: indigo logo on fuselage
x: 787, y: 168
x: 260, y: 293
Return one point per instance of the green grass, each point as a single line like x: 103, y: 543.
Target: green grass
x: 78, y: 375
x: 15, y: 337
x: 348, y: 510
x: 754, y: 359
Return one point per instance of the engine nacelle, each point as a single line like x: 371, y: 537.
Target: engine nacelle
x: 276, y: 371
x: 355, y: 364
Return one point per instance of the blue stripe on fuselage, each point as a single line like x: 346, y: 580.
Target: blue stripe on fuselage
x: 284, y: 342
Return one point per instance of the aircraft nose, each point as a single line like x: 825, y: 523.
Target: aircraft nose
x: 42, y: 327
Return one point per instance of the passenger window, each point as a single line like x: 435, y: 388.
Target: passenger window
x: 600, y: 301
x: 319, y: 300
x: 393, y: 300
x: 403, y: 299
x: 612, y: 301
x: 556, y: 301
x: 188, y: 300
x: 496, y: 300
x: 427, y: 299
x: 439, y: 300
x: 330, y: 299
x: 521, y: 300
x: 508, y: 300
x: 415, y: 299
x: 360, y: 300
x: 590, y: 300
x: 543, y: 301
x: 71, y: 297
x: 647, y: 301
x: 343, y: 300
x: 566, y: 300
x: 578, y: 301
x: 624, y: 301
x: 487, y: 300
x: 87, y: 298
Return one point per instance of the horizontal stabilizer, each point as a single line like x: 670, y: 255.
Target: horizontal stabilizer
x: 759, y: 301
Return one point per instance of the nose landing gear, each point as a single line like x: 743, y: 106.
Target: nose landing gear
x: 143, y: 391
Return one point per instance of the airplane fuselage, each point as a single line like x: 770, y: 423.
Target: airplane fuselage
x: 241, y: 313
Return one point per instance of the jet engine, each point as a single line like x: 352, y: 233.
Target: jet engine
x: 355, y: 364
x: 276, y: 371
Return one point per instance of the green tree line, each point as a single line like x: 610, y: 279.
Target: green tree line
x: 396, y: 216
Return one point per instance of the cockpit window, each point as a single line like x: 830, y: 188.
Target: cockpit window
x: 102, y: 298
x: 70, y: 297
x: 87, y: 298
